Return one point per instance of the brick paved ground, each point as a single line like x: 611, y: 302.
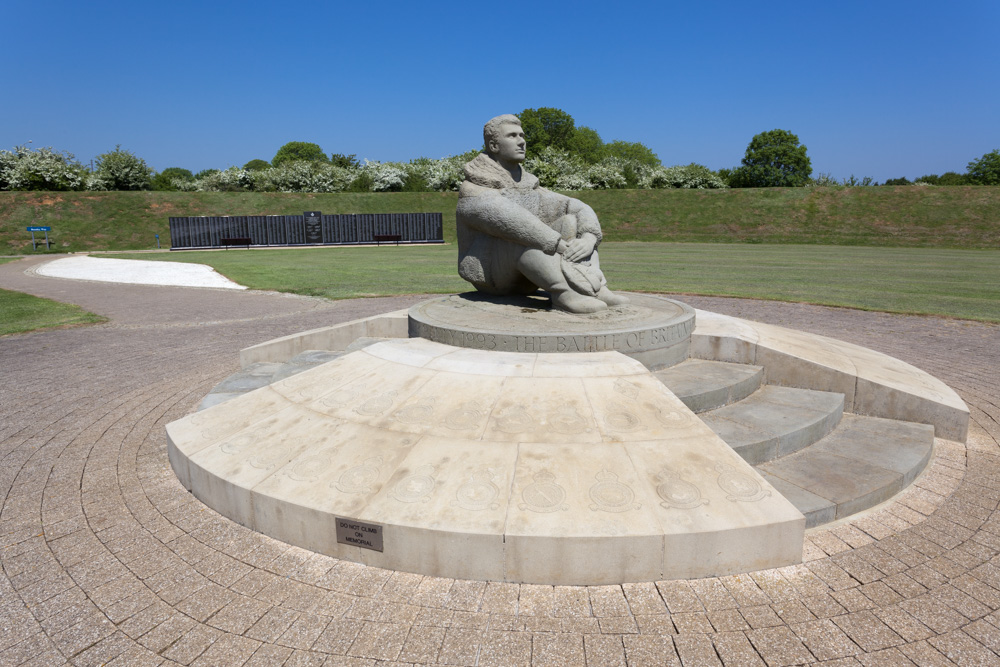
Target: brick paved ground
x: 107, y: 559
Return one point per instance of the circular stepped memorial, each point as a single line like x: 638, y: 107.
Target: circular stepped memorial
x: 558, y: 467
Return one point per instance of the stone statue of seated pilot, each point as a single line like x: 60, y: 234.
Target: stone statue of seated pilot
x: 515, y: 237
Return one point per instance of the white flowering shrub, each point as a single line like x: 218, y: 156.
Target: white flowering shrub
x: 303, y: 177
x: 184, y: 185
x: 559, y: 170
x: 233, y: 179
x: 41, y: 169
x: 94, y: 182
x: 331, y: 178
x: 122, y: 170
x: 444, y: 175
x: 384, y: 176
x: 289, y: 177
x: 607, y: 175
x: 693, y: 176
x: 573, y: 182
x: 822, y: 181
x: 45, y: 169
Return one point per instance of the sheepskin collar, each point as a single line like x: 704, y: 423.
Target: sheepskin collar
x: 487, y: 172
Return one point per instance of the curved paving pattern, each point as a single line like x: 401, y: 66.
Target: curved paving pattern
x: 107, y: 559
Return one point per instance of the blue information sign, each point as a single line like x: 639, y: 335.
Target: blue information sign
x: 39, y: 229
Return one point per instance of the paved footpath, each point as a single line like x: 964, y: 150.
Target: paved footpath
x: 107, y: 559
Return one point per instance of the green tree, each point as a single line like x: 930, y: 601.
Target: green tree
x: 121, y: 170
x: 415, y: 182
x: 206, y: 172
x: 257, y: 165
x: 773, y: 159
x: 587, y: 144
x: 165, y: 180
x: 947, y: 178
x: 296, y: 151
x: 632, y: 150
x: 898, y: 181
x: 545, y: 127
x: 363, y: 183
x: 953, y: 178
x: 345, y: 161
x: 985, y: 170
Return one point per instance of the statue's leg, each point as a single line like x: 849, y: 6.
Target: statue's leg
x: 544, y: 271
x: 604, y: 294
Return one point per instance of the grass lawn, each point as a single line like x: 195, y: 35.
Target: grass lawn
x: 948, y: 282
x: 21, y: 312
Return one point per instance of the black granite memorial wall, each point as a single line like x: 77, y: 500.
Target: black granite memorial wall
x: 295, y: 230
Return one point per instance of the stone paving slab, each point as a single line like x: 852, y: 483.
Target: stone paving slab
x: 106, y: 558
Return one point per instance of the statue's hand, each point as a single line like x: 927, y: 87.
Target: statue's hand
x: 580, y: 248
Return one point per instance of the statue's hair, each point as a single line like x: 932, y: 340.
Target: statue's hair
x: 491, y: 131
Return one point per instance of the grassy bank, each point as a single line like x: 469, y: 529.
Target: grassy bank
x: 948, y: 282
x: 943, y: 217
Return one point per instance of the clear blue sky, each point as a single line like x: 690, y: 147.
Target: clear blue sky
x: 882, y: 89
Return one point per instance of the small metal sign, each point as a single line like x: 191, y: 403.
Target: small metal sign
x: 359, y: 534
x: 314, y: 226
x: 34, y: 241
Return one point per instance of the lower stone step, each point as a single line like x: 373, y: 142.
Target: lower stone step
x: 705, y: 385
x: 776, y: 421
x: 864, y: 462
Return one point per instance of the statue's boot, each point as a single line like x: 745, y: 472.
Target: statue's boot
x: 610, y: 298
x: 546, y: 272
x: 574, y: 302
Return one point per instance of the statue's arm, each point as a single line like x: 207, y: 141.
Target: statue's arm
x: 486, y: 211
x: 586, y: 219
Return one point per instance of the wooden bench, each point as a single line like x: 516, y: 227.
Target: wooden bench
x: 388, y: 238
x: 236, y: 240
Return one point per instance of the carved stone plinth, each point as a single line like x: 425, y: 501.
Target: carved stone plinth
x: 652, y: 330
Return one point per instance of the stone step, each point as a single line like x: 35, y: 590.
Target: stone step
x: 864, y: 462
x: 776, y: 421
x: 705, y: 385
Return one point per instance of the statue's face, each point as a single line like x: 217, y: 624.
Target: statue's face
x: 510, y: 147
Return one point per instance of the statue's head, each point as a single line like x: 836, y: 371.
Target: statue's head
x: 503, y: 138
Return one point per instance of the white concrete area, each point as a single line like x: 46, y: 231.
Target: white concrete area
x: 136, y: 271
